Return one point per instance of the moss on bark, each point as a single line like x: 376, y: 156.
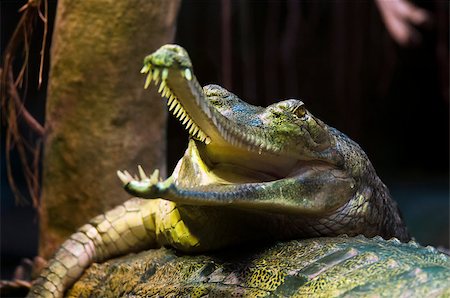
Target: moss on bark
x: 99, y: 118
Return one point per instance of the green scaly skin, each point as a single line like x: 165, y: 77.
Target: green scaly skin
x: 318, y: 267
x: 249, y: 175
x: 266, y: 173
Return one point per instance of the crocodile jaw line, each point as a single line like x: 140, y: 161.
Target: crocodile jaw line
x: 186, y: 101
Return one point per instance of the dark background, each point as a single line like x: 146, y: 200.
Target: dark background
x: 335, y: 56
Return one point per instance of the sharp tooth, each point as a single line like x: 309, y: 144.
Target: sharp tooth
x: 165, y: 73
x: 169, y: 102
x: 174, y: 103
x: 185, y: 120
x: 128, y: 175
x: 180, y: 113
x: 192, y: 130
x: 207, y: 140
x: 154, y: 176
x: 156, y: 75
x: 201, y: 135
x: 148, y: 80
x: 177, y: 109
x: 167, y: 92
x: 195, y: 131
x: 188, y: 74
x: 183, y: 114
x: 123, y: 177
x: 189, y: 124
x: 162, y: 87
x: 142, y: 173
x: 145, y: 68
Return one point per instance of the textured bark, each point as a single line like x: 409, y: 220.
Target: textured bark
x: 321, y: 267
x: 98, y: 115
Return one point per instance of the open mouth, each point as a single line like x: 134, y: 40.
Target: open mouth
x: 227, y: 144
x: 171, y: 71
x: 266, y: 165
x: 186, y: 101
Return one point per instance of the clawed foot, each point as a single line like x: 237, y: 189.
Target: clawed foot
x: 144, y: 186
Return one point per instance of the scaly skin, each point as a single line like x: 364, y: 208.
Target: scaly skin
x: 250, y: 174
x: 318, y: 267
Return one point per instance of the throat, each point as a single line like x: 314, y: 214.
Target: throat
x: 236, y: 174
x: 266, y: 165
x: 206, y: 165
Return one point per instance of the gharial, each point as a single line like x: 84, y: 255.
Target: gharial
x: 249, y: 175
x: 317, y: 267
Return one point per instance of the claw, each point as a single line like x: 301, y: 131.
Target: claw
x: 142, y: 173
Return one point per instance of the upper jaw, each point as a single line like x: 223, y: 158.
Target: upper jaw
x: 170, y: 68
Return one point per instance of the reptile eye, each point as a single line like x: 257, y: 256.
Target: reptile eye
x: 300, y: 111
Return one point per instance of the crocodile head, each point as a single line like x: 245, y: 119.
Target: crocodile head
x: 272, y: 142
x: 279, y: 162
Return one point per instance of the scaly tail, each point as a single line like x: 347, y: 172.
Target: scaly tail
x: 127, y: 228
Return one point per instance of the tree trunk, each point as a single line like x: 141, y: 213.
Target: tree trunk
x: 99, y: 118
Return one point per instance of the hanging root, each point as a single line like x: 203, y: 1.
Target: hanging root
x: 13, y: 90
